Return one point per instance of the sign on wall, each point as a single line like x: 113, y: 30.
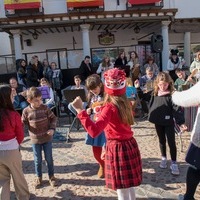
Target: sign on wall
x: 84, y: 3
x: 21, y: 4
x: 106, y: 38
x: 136, y: 2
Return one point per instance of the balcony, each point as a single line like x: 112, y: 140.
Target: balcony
x: 144, y: 4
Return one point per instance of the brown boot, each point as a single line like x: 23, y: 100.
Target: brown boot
x: 100, y: 173
x: 53, y: 181
x: 38, y: 182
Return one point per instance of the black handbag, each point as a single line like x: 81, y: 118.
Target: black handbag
x: 193, y: 156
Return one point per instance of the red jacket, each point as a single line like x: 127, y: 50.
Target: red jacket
x: 13, y: 127
x: 109, y: 121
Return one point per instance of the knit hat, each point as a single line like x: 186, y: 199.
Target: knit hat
x: 174, y: 52
x: 115, y: 82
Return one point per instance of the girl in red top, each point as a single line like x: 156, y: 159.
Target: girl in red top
x: 123, y: 169
x: 11, y: 136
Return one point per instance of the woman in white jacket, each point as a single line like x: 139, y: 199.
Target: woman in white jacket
x: 105, y: 65
x: 190, y: 98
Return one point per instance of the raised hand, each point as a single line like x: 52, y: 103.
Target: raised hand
x: 78, y: 104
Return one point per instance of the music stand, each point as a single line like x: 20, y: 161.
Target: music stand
x: 70, y: 95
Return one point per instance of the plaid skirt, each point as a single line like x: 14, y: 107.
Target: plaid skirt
x: 123, y: 166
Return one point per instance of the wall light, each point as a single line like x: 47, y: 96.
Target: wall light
x: 35, y: 35
x: 137, y: 29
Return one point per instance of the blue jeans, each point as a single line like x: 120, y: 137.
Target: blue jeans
x: 37, y: 150
x: 18, y: 104
x: 23, y: 104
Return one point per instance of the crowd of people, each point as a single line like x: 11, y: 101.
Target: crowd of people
x: 107, y: 116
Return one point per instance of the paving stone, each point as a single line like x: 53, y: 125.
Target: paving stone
x: 76, y: 169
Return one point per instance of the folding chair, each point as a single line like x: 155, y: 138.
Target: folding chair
x: 70, y: 95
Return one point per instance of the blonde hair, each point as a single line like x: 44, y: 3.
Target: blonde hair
x: 44, y: 79
x: 124, y: 107
x: 104, y: 63
x: 165, y: 77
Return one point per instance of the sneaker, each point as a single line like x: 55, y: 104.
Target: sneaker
x: 163, y: 164
x: 38, y: 182
x: 52, y: 181
x: 174, y: 169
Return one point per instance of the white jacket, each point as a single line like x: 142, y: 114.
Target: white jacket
x: 189, y: 98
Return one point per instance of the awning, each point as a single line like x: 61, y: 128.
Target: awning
x: 137, y: 2
x: 21, y: 4
x: 84, y: 3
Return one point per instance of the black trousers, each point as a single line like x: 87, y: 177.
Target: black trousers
x: 192, y: 181
x: 167, y: 133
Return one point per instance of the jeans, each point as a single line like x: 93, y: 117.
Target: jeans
x: 37, y: 150
x: 18, y: 104
x: 23, y: 104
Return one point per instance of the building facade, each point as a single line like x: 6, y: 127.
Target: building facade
x: 65, y: 31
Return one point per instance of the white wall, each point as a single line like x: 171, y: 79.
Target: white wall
x: 2, y: 10
x: 5, y: 44
x: 186, y: 8
x: 65, y: 40
x: 54, y: 7
x: 112, y: 5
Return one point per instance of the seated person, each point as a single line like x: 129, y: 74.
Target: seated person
x: 183, y: 81
x: 49, y: 99
x: 131, y: 93
x: 20, y: 94
x: 144, y: 89
x: 77, y: 86
x: 77, y: 81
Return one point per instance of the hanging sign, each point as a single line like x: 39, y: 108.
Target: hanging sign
x: 106, y: 38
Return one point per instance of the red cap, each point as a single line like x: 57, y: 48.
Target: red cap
x: 115, y: 82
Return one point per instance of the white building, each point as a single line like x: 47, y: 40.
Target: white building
x: 66, y: 35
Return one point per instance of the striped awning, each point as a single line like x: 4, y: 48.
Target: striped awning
x: 21, y: 4
x: 137, y: 2
x: 84, y: 3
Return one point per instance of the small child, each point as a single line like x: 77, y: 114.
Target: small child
x: 123, y: 167
x: 49, y: 101
x: 41, y: 124
x: 162, y: 113
x: 11, y: 136
x: 95, y: 89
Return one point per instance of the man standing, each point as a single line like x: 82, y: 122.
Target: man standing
x: 86, y: 68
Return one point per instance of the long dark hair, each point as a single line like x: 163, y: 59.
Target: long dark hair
x: 5, y: 103
x: 92, y: 82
